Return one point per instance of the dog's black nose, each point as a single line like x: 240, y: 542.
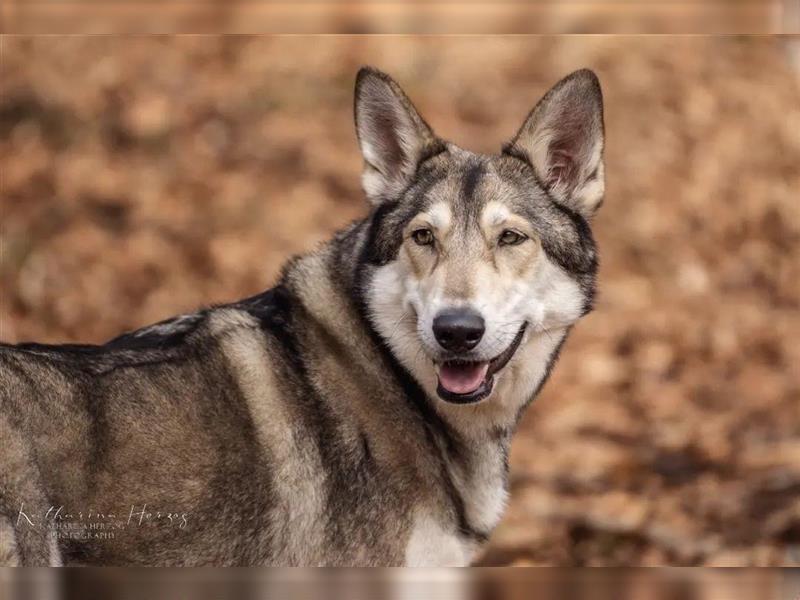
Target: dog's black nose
x: 458, y: 330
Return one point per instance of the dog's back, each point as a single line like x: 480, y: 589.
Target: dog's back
x: 215, y: 438
x: 148, y: 423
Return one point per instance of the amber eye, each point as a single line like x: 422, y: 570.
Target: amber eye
x: 422, y: 237
x: 511, y: 238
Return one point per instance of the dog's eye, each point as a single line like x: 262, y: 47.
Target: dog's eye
x: 422, y: 237
x: 511, y: 238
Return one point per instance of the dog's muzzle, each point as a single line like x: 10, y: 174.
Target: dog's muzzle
x: 467, y: 382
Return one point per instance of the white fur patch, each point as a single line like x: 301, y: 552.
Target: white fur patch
x: 440, y: 216
x: 430, y: 545
x: 494, y: 213
x: 372, y: 182
x: 483, y: 488
x: 589, y: 196
x: 390, y: 301
x: 55, y: 553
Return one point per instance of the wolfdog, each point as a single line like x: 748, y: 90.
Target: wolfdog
x: 359, y: 412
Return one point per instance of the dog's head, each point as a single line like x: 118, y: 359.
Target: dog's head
x: 473, y: 255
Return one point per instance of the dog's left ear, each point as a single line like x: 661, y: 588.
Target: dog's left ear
x: 563, y: 139
x: 392, y: 135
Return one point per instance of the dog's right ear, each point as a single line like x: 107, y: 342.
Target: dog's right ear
x: 393, y: 137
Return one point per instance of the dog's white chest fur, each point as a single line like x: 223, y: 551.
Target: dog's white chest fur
x: 432, y: 545
x: 436, y: 543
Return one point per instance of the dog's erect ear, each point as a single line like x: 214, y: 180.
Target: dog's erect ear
x: 392, y: 136
x: 563, y: 138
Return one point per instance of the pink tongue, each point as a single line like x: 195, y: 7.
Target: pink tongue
x: 462, y: 379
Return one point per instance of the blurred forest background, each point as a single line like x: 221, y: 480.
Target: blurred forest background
x: 402, y: 16
x: 143, y: 177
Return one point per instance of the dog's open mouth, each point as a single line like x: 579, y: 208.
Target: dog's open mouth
x: 465, y: 382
